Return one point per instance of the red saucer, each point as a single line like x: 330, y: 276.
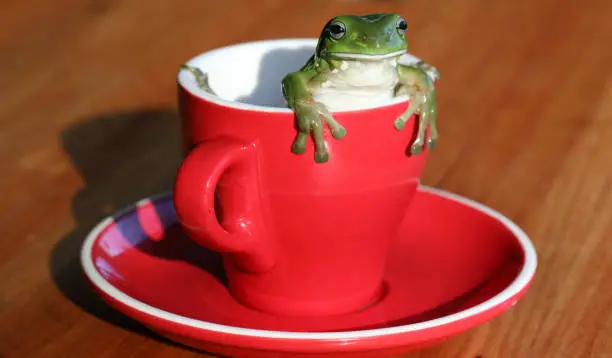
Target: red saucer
x: 456, y: 264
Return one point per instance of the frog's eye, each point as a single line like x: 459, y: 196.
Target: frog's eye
x: 402, y: 26
x: 336, y: 30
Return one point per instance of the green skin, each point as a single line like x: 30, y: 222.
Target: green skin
x: 371, y: 39
x: 200, y: 77
x: 368, y: 38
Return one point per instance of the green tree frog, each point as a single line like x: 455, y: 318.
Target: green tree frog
x: 356, y: 60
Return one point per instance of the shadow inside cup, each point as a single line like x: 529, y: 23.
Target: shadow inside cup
x: 274, y: 66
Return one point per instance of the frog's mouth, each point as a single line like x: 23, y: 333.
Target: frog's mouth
x: 367, y: 57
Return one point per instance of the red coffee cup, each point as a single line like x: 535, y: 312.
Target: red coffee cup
x: 298, y: 237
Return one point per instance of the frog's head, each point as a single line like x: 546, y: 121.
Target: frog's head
x: 367, y: 37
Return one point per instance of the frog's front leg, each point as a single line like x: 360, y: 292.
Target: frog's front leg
x: 200, y: 77
x: 429, y: 69
x: 310, y: 115
x: 419, y: 86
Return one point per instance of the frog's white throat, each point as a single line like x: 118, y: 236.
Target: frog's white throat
x: 356, y: 83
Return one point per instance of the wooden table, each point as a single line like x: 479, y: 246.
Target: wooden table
x: 88, y: 124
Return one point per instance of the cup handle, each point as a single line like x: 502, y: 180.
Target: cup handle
x: 229, y: 167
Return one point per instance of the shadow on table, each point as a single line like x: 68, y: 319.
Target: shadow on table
x: 125, y: 157
x: 122, y: 158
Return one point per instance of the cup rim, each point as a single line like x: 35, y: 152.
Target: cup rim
x: 520, y: 282
x: 187, y: 82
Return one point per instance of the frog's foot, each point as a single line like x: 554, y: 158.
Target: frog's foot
x: 423, y: 122
x: 310, y: 118
x: 200, y: 77
x: 424, y: 112
x: 417, y: 82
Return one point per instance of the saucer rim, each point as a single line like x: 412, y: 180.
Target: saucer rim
x: 521, y: 281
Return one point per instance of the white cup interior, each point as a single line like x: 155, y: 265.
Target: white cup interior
x: 248, y: 75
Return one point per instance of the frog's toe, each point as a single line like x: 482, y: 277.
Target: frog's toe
x: 432, y: 142
x: 297, y: 149
x: 416, y: 149
x: 339, y: 133
x: 299, y: 144
x: 399, y: 124
x: 321, y: 157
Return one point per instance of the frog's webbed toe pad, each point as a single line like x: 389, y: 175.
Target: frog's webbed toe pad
x: 297, y: 149
x: 431, y: 143
x: 321, y: 157
x: 416, y: 148
x: 299, y: 144
x: 338, y: 133
x: 399, y: 124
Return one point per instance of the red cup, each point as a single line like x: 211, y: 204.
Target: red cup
x: 297, y: 237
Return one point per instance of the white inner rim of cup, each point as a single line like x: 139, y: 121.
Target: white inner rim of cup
x: 523, y: 278
x: 248, y: 75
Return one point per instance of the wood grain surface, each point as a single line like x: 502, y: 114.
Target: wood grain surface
x: 88, y: 124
